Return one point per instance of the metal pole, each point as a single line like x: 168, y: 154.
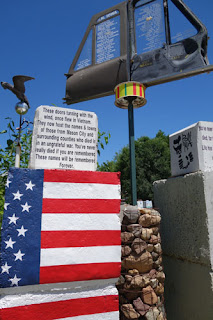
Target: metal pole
x: 18, y: 155
x: 18, y: 146
x: 166, y: 19
x: 132, y: 51
x: 132, y: 153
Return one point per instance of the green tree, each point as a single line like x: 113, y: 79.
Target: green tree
x: 152, y: 163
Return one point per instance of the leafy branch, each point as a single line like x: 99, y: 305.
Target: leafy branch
x: 7, y: 154
x: 103, y: 139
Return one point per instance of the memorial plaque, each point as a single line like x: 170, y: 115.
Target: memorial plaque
x: 191, y: 149
x: 108, y: 39
x: 133, y: 41
x: 64, y: 139
x: 149, y: 23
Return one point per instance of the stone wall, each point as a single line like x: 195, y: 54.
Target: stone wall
x: 141, y: 284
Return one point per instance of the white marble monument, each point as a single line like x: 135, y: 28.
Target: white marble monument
x: 64, y: 139
x: 191, y: 149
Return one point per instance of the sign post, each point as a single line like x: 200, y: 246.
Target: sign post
x: 18, y: 146
x: 130, y: 95
x: 132, y: 152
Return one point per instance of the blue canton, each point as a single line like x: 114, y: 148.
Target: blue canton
x: 21, y: 228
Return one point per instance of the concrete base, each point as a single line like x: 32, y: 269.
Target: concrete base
x: 188, y: 292
x: 186, y: 207
x: 90, y: 300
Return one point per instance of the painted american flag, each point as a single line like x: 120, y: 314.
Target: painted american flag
x: 60, y: 226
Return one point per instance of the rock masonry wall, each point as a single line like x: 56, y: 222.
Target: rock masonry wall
x: 141, y: 284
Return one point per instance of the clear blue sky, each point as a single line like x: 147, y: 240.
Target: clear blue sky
x: 40, y: 38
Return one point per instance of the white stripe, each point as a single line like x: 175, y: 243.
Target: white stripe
x: 98, y: 316
x: 61, y: 190
x: 81, y: 255
x: 15, y: 300
x: 86, y: 221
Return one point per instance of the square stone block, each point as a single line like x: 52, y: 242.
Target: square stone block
x: 64, y: 139
x: 191, y: 149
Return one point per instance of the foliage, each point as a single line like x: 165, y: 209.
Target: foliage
x: 109, y: 166
x: 7, y: 154
x: 152, y: 163
x: 103, y: 139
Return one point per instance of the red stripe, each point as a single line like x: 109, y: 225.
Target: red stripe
x: 63, y: 239
x: 118, y: 92
x: 62, y: 309
x: 79, y: 272
x: 81, y: 206
x: 134, y: 89
x: 74, y: 176
x: 140, y: 90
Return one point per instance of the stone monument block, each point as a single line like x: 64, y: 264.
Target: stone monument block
x: 191, y: 149
x: 64, y: 139
x: 60, y: 245
x: 186, y: 206
x: 60, y: 226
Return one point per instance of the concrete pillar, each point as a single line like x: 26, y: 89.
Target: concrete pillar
x: 186, y: 206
